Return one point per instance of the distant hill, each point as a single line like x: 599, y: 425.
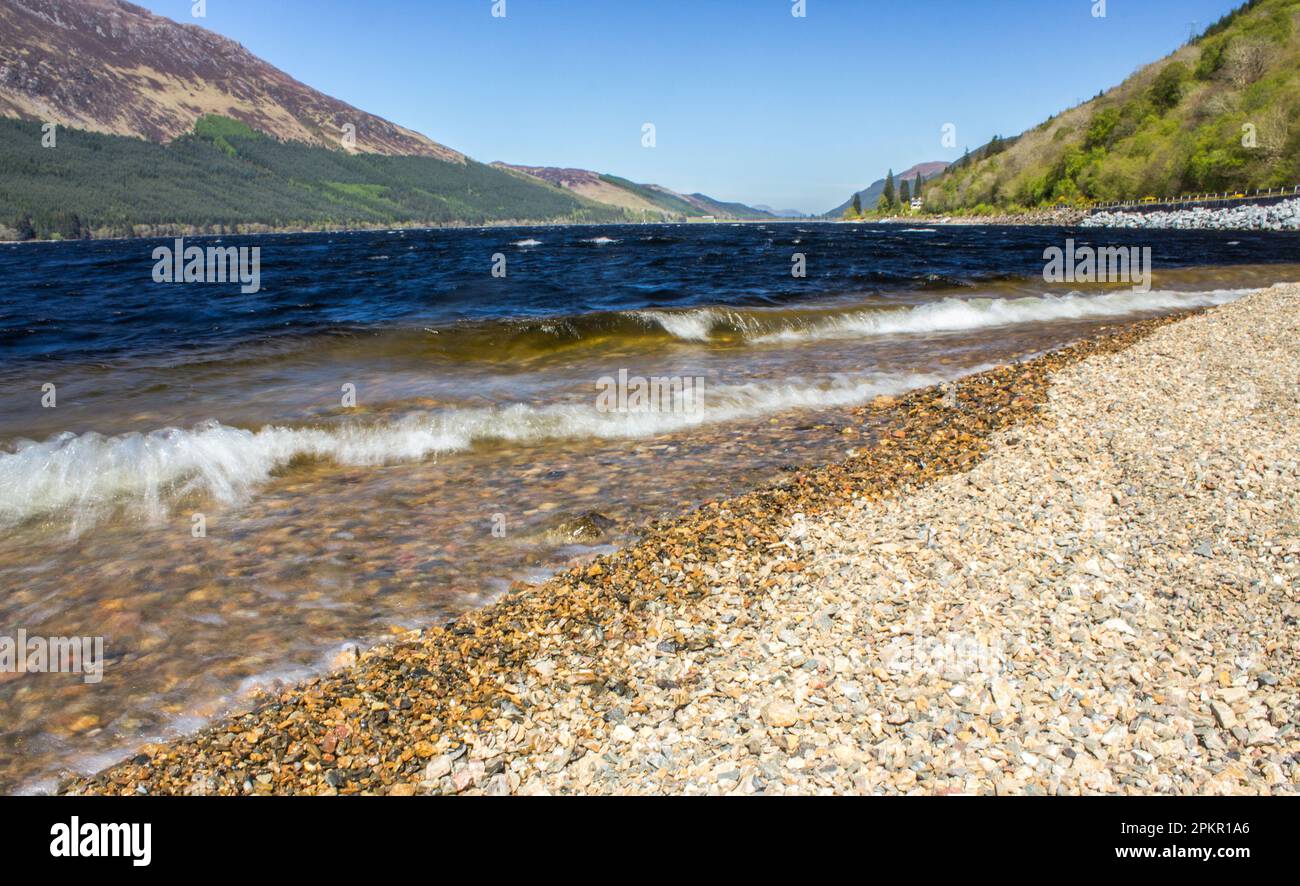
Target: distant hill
x: 723, y: 209
x: 224, y: 177
x: 782, y: 213
x: 1220, y: 114
x: 652, y: 202
x: 871, y: 195
x: 591, y: 185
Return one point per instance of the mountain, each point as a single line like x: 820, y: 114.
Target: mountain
x: 871, y: 195
x: 591, y: 185
x: 649, y: 201
x: 170, y: 128
x: 109, y: 66
x: 723, y: 209
x: 1219, y: 114
x: 225, y: 177
x: 782, y: 213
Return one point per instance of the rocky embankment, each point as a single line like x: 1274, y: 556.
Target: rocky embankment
x: 1284, y: 216
x: 1040, y: 217
x: 1046, y: 217
x: 1073, y: 575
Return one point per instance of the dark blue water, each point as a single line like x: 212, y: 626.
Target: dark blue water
x: 329, y: 522
x: 90, y: 300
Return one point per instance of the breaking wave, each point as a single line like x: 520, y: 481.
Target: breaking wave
x: 83, y: 477
x: 946, y: 315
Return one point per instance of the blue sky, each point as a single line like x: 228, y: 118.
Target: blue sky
x: 749, y: 102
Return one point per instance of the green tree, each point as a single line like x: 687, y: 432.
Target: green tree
x: 857, y: 206
x: 905, y: 193
x: 26, y: 230
x: 1167, y: 90
x: 889, y: 199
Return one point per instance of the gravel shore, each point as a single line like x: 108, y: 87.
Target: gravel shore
x: 1075, y: 575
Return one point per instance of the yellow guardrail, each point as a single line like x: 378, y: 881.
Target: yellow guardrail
x: 1192, y: 198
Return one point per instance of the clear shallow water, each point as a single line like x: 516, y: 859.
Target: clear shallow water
x: 476, y: 410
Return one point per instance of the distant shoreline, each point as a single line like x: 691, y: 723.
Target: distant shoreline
x: 1045, y: 218
x: 166, y: 232
x: 172, y: 232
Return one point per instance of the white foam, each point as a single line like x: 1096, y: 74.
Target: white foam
x: 955, y: 314
x: 83, y: 477
x: 946, y: 315
x: 528, y: 242
x: 602, y: 241
x: 698, y: 324
x: 694, y: 325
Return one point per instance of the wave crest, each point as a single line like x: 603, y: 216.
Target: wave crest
x: 85, y: 476
x: 945, y: 315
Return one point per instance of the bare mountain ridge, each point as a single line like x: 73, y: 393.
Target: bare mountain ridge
x: 110, y: 66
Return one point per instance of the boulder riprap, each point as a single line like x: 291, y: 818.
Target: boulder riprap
x: 999, y: 593
x: 1282, y: 216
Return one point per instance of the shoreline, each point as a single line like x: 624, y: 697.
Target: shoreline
x: 459, y: 708
x: 164, y: 232
x: 1037, y: 219
x: 1047, y: 218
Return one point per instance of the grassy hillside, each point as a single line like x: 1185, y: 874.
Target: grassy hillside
x: 688, y: 206
x: 725, y: 209
x: 224, y: 175
x: 1222, y: 113
x: 667, y: 202
x: 649, y: 203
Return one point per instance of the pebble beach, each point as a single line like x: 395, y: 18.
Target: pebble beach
x: 1078, y: 574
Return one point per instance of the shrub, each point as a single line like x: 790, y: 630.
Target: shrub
x: 1102, y: 127
x: 1213, y: 54
x: 1246, y: 61
x: 1167, y: 90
